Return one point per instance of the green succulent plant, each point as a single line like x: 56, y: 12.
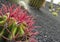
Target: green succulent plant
x: 54, y: 11
x: 17, y: 24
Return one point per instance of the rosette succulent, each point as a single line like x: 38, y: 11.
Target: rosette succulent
x: 16, y: 24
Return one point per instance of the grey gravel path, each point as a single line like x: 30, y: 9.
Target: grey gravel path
x: 50, y: 30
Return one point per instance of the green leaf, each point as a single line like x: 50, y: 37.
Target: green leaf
x: 3, y: 19
x: 1, y: 33
x: 13, y: 30
x: 21, y: 30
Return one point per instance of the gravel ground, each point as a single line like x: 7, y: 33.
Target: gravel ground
x: 50, y: 25
x: 50, y: 30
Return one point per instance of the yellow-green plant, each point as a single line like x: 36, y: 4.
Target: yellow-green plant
x: 54, y: 11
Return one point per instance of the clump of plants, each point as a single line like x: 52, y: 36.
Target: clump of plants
x: 54, y: 9
x: 16, y: 25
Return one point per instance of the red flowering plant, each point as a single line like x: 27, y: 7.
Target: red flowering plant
x: 16, y: 24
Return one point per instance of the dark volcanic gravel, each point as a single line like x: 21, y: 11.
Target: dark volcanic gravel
x: 50, y: 30
x: 50, y: 25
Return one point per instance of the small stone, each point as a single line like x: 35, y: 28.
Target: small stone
x: 45, y: 36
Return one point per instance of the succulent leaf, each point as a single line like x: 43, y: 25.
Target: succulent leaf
x: 3, y: 19
x: 13, y: 27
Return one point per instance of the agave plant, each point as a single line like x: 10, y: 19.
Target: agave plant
x: 16, y: 24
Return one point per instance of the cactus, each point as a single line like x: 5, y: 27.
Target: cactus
x: 37, y: 3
